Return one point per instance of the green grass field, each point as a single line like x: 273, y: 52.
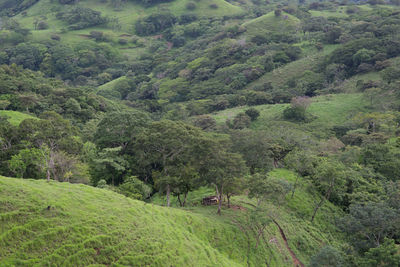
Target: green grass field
x: 126, y: 15
x: 327, y: 110
x: 66, y: 224
x: 271, y: 23
x: 280, y: 76
x: 15, y: 117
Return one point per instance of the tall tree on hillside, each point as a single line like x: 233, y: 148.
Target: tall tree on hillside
x: 165, y: 145
x: 330, y: 178
x: 222, y: 170
x: 119, y: 129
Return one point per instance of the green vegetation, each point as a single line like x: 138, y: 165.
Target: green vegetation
x: 15, y: 117
x: 110, y: 225
x: 79, y: 225
x: 269, y: 130
x: 270, y: 23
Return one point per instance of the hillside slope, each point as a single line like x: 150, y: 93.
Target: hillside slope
x: 270, y: 23
x: 76, y: 225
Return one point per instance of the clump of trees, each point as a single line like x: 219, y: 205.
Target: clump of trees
x: 297, y: 109
x: 81, y: 17
x: 155, y: 23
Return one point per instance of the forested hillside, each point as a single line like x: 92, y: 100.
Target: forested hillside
x: 268, y: 130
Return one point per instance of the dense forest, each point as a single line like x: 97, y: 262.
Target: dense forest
x: 286, y: 114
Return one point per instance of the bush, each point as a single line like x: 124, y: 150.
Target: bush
x: 122, y: 41
x: 278, y: 12
x: 155, y: 23
x: 190, y: 6
x: 327, y: 256
x: 97, y: 35
x: 42, y: 25
x: 240, y: 121
x: 205, y: 122
x: 80, y: 17
x: 135, y: 188
x: 55, y: 37
x: 297, y: 109
x: 252, y: 113
x: 102, y: 184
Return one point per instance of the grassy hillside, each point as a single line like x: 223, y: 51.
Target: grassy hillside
x: 75, y: 225
x: 124, y: 19
x: 280, y: 76
x: 85, y: 225
x: 271, y: 23
x: 127, y: 14
x: 15, y: 117
x: 328, y: 111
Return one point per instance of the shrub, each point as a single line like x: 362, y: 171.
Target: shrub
x: 205, y: 122
x: 81, y: 17
x: 97, y: 35
x: 190, y: 6
x: 122, y: 41
x: 135, y: 188
x: 240, y: 121
x: 278, y: 12
x: 155, y: 23
x: 297, y: 109
x: 252, y: 113
x: 55, y: 37
x: 327, y: 256
x: 42, y: 25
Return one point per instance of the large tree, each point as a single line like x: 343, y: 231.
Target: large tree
x: 120, y: 128
x: 330, y: 178
x: 221, y: 168
x: 166, y: 146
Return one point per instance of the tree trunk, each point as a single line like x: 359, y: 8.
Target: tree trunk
x: 219, y: 204
x: 48, y: 175
x: 219, y: 200
x: 229, y: 200
x: 319, y: 205
x: 317, y: 208
x: 168, y: 195
x: 184, y: 200
x: 275, y: 163
x: 179, y: 199
x: 295, y: 186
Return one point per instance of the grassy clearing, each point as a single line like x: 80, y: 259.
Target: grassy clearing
x: 327, y: 110
x: 110, y: 85
x: 350, y: 85
x: 15, y: 117
x: 280, y: 76
x: 271, y: 23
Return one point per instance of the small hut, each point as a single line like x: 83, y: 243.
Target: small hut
x: 211, y: 200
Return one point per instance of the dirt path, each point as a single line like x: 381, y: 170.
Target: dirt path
x: 296, y: 261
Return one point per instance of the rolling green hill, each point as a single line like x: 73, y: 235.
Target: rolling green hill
x: 271, y: 23
x: 76, y: 225
x: 328, y: 111
x: 127, y: 14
